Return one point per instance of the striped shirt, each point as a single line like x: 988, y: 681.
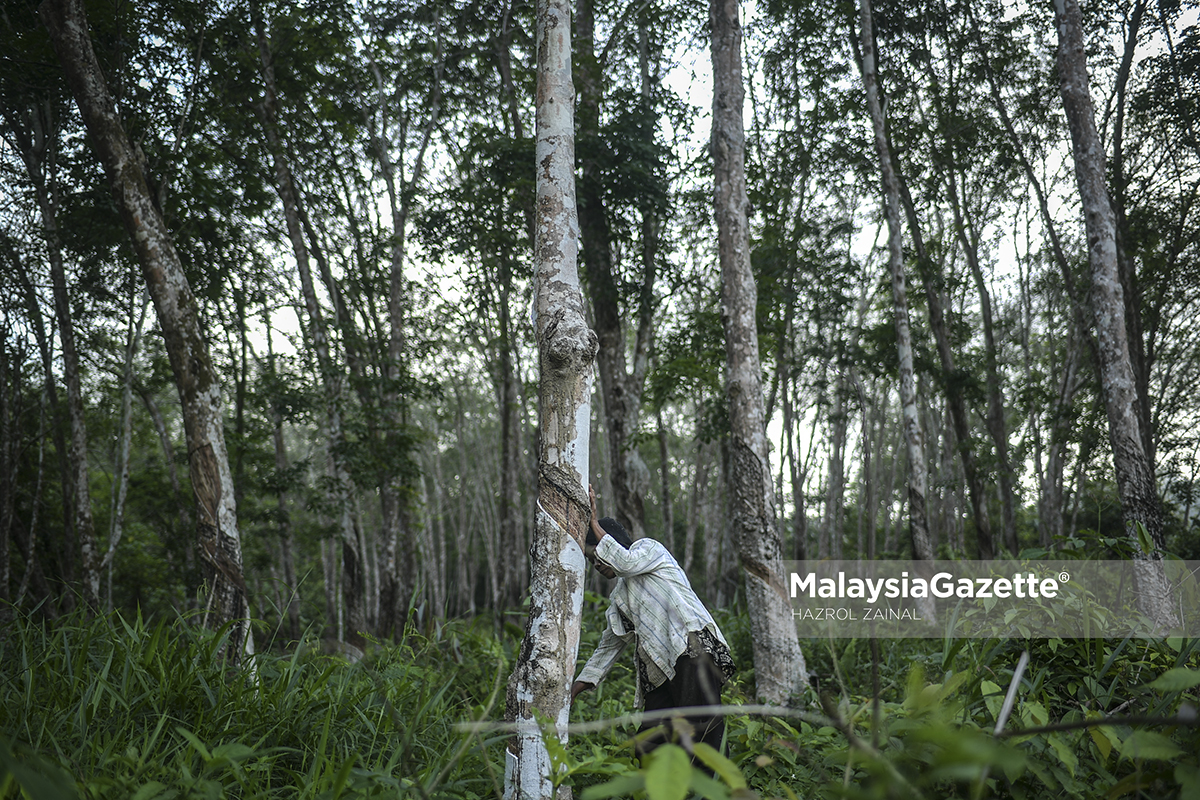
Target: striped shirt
x: 653, y: 593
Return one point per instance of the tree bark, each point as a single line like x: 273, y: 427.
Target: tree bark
x: 117, y: 524
x: 353, y: 561
x: 778, y: 662
x: 996, y: 424
x: 36, y: 136
x: 541, y: 679
x: 952, y: 378
x: 622, y: 387
x: 65, y: 549
x: 918, y: 479
x: 178, y: 314
x: 1134, y: 470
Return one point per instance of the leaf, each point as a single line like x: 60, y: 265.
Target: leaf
x: 993, y: 697
x: 669, y: 773
x: 148, y: 791
x: 708, y: 788
x: 38, y: 778
x: 1065, y: 753
x: 1188, y: 778
x: 1035, y: 712
x: 621, y: 786
x: 721, y: 765
x: 1143, y: 537
x: 1102, y: 742
x: 196, y: 743
x: 1179, y: 679
x: 1150, y: 744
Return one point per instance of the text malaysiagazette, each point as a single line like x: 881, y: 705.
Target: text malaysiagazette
x: 943, y: 584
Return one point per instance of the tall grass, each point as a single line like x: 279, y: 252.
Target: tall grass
x: 117, y: 708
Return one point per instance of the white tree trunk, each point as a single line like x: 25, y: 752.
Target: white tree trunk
x: 778, y: 662
x: 1135, y: 474
x: 566, y: 348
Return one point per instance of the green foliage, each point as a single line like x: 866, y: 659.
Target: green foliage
x: 935, y: 734
x: 116, y: 708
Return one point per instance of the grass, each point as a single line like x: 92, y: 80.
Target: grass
x: 131, y: 710
x: 120, y: 708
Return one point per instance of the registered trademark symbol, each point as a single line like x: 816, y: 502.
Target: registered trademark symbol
x: 1064, y: 577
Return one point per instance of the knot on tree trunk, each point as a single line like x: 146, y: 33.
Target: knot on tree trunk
x: 571, y: 345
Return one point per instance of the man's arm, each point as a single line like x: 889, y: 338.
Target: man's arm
x: 601, y: 662
x: 646, y: 555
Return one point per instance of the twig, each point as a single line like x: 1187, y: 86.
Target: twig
x: 668, y: 713
x: 1185, y: 718
x: 1009, y: 699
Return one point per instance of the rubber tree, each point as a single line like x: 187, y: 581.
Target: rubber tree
x: 540, y: 683
x: 178, y: 313
x: 778, y: 662
x: 1144, y: 521
x: 918, y: 479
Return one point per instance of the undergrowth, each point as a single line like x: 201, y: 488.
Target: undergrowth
x: 118, y: 708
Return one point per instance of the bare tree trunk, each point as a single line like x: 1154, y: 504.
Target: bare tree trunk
x: 178, y: 315
x: 954, y: 398
x: 10, y: 385
x: 398, y: 574
x: 696, y: 501
x: 918, y: 479
x: 664, y: 470
x: 996, y: 424
x: 117, y: 524
x: 835, y: 489
x: 36, y: 134
x: 353, y: 563
x: 1144, y: 521
x: 1140, y: 360
x: 778, y: 662
x: 33, y: 566
x: 540, y: 682
x: 621, y: 386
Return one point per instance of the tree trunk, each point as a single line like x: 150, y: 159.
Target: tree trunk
x: 66, y: 551
x: 1134, y: 470
x: 622, y: 388
x: 918, y: 479
x: 696, y: 501
x: 952, y: 378
x: 1140, y: 360
x: 778, y: 662
x: 835, y: 489
x: 178, y: 314
x: 540, y: 682
x: 664, y: 470
x: 36, y: 137
x: 996, y: 424
x: 353, y: 563
x: 10, y: 386
x: 117, y: 524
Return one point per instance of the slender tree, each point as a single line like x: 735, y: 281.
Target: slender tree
x: 541, y: 679
x: 1144, y: 521
x: 778, y: 662
x: 179, y: 318
x: 918, y: 479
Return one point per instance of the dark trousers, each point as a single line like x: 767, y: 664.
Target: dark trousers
x: 697, y: 682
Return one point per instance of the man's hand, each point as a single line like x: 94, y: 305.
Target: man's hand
x: 580, y: 686
x: 595, y: 524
